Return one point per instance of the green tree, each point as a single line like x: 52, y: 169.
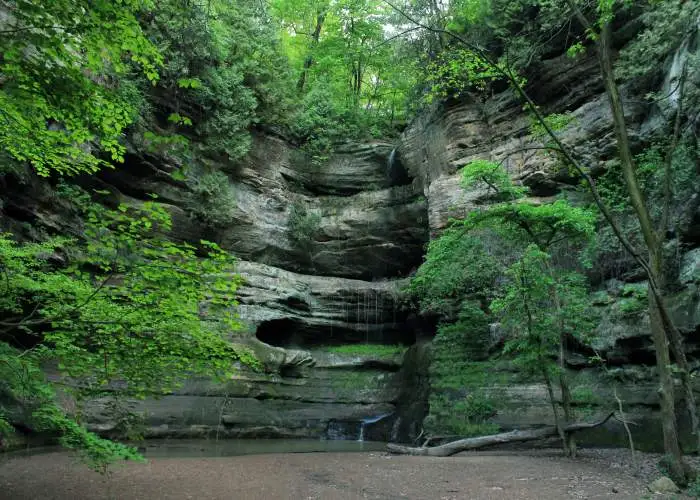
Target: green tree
x: 543, y: 308
x: 130, y: 314
x: 224, y: 72
x: 595, y: 25
x: 354, y: 79
x: 64, y: 96
x: 541, y: 302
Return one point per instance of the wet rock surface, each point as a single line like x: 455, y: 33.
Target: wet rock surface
x: 328, y: 396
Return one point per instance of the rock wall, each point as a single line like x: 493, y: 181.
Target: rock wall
x: 376, y: 208
x: 451, y: 134
x: 327, y: 396
x: 340, y: 287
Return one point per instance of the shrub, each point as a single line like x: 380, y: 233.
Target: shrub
x: 212, y: 201
x: 302, y: 225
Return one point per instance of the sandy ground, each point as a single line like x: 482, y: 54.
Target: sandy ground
x: 330, y: 476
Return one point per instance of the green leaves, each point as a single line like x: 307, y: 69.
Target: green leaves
x: 493, y: 176
x: 189, y: 83
x: 303, y: 225
x: 457, y: 265
x: 458, y: 71
x: 61, y: 101
x: 132, y: 314
x: 538, y: 305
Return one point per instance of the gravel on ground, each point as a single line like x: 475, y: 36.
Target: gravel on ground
x: 536, y: 475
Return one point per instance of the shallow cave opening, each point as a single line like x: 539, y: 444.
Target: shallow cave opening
x: 635, y: 351
x: 289, y: 332
x: 284, y: 332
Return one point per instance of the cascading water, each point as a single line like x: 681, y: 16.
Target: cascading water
x: 370, y: 420
x: 671, y: 85
x: 391, y: 160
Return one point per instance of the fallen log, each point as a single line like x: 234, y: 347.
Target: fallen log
x: 474, y: 443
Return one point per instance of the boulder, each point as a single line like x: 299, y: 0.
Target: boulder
x: 664, y: 486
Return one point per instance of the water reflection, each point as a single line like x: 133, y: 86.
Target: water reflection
x: 185, y: 448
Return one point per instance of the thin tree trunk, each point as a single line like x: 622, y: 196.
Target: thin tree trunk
x: 626, y: 425
x: 662, y: 327
x: 543, y: 362
x: 553, y: 404
x: 666, y: 399
x: 309, y: 61
x: 568, y: 438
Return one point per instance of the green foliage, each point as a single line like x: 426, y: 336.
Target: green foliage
x: 633, y: 299
x: 537, y: 306
x: 448, y: 274
x: 665, y: 25
x: 24, y: 389
x: 452, y: 372
x: 584, y: 395
x: 213, y: 200
x: 513, y: 28
x: 353, y: 78
x: 555, y: 121
x: 224, y: 71
x: 466, y: 417
x: 538, y: 301
x: 64, y: 98
x: 456, y: 72
x: 468, y: 338
x: 493, y: 176
x: 650, y: 173
x: 303, y: 225
x: 130, y: 312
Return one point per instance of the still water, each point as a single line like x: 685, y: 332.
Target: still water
x: 189, y: 448
x: 173, y: 448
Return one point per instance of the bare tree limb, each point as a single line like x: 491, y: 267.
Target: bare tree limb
x: 458, y: 446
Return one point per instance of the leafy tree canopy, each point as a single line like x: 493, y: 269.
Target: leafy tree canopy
x: 63, y: 99
x: 121, y: 312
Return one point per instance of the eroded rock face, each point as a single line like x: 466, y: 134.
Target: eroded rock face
x: 287, y: 308
x: 339, y: 287
x: 330, y: 393
x: 450, y: 135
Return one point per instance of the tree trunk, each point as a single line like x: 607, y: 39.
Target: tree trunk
x: 474, y: 443
x: 569, y: 439
x: 454, y: 447
x: 308, y: 62
x: 662, y: 328
x: 553, y: 404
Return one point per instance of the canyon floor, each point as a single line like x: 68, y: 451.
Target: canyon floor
x: 541, y: 474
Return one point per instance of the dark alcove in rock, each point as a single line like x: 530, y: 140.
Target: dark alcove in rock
x: 294, y: 333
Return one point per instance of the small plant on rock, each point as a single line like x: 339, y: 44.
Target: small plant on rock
x: 212, y: 201
x: 303, y: 225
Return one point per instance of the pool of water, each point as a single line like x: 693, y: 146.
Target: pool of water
x: 190, y: 448
x: 174, y: 448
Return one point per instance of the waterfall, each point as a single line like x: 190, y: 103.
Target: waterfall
x: 671, y: 87
x: 370, y: 420
x: 391, y: 160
